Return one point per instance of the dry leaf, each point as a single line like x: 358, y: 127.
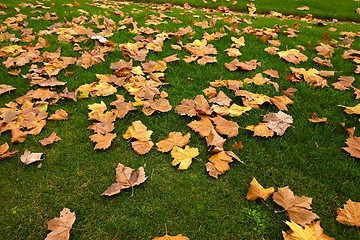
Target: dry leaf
x: 257, y: 191
x: 50, y: 140
x: 236, y: 110
x: 278, y: 122
x: 350, y: 215
x: 315, y: 119
x: 298, y: 208
x: 173, y: 139
x: 218, y: 164
x: 352, y: 110
x: 142, y: 147
x: 311, y: 231
x: 29, y: 157
x: 183, y: 157
x: 5, y: 88
x: 138, y: 131
x: 61, y: 226
x: 221, y: 99
x: 103, y: 141
x: 125, y: 178
x: 293, y: 56
x: 303, y: 8
x: 168, y: 237
x: 203, y: 126
x: 225, y: 127
x: 5, y: 153
x: 238, y: 145
x: 59, y: 114
x: 186, y: 107
x: 353, y: 147
x: 344, y: 82
x: 261, y: 130
x: 215, y: 142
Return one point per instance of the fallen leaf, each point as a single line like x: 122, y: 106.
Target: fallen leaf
x: 168, y: 237
x: 351, y: 110
x: 29, y: 157
x: 173, y: 139
x: 344, y: 82
x: 353, y: 147
x: 293, y: 56
x: 5, y: 88
x: 278, y: 122
x: 225, y: 127
x: 142, y: 147
x: 61, y: 226
x: 303, y: 8
x: 261, y: 130
x: 236, y: 110
x: 272, y: 73
x: 103, y: 141
x: 215, y: 142
x: 315, y: 119
x: 238, y: 145
x: 311, y: 231
x: 256, y: 191
x: 221, y: 99
x: 203, y: 126
x: 59, y: 115
x: 5, y: 153
x: 138, y: 131
x: 350, y: 215
x: 298, y: 208
x: 125, y: 178
x: 289, y: 92
x: 50, y: 140
x: 218, y: 164
x: 183, y: 157
x: 186, y: 107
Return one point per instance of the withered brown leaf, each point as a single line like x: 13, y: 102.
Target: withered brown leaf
x: 350, y: 215
x: 173, y: 139
x: 256, y: 191
x: 61, y: 226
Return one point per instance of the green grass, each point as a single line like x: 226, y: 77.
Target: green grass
x: 308, y: 158
x: 337, y: 9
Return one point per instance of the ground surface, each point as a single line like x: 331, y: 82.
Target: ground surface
x: 308, y: 157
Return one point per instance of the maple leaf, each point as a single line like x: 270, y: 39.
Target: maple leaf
x: 350, y: 215
x: 323, y: 62
x: 186, y: 107
x: 59, y: 114
x: 142, y: 147
x: 353, y: 147
x: 256, y: 191
x: 138, y: 131
x: 325, y: 50
x: 236, y: 110
x: 29, y: 157
x: 5, y: 88
x: 221, y: 99
x: 261, y: 130
x: 315, y: 119
x: 344, y: 83
x: 238, y: 145
x: 126, y: 177
x: 5, y: 153
x: 352, y: 110
x: 298, y: 208
x: 219, y: 163
x: 122, y: 107
x: 215, y: 142
x: 203, y: 126
x: 183, y: 157
x: 103, y: 127
x: 225, y: 127
x: 281, y: 101
x: 103, y: 141
x: 311, y: 231
x: 61, y: 226
x: 278, y: 122
x: 289, y: 92
x: 173, y: 139
x: 168, y: 237
x: 293, y: 56
x: 50, y: 140
x: 312, y: 76
x: 303, y: 8
x: 202, y: 105
x: 161, y: 105
x: 272, y: 73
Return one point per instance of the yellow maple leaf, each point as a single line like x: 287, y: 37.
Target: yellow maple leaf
x: 183, y: 156
x: 236, y: 110
x: 139, y: 131
x: 311, y: 231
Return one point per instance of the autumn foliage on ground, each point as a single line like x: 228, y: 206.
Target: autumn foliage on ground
x: 118, y: 90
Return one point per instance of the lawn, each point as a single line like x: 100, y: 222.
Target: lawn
x: 309, y: 157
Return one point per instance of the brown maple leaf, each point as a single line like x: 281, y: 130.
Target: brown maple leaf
x: 103, y: 127
x: 173, y: 139
x: 315, y: 119
x: 261, y: 130
x: 353, y: 147
x: 29, y: 157
x: 5, y: 153
x: 221, y: 99
x: 272, y: 73
x: 298, y: 208
x: 59, y: 114
x: 61, y: 226
x: 215, y: 142
x: 323, y: 62
x: 202, y: 106
x: 225, y: 127
x: 309, y: 231
x: 293, y: 56
x: 142, y: 147
x: 50, y: 140
x: 325, y: 50
x: 281, y: 101
x: 138, y: 131
x: 186, y: 107
x: 344, y: 82
x: 289, y: 92
x: 122, y: 107
x: 278, y: 122
x: 350, y: 215
x: 103, y: 141
x: 256, y: 191
x: 125, y: 178
x: 5, y: 88
x: 203, y: 126
x: 219, y: 163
